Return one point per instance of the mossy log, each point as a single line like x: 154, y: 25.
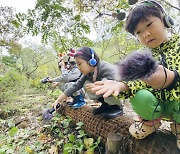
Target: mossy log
x: 160, y: 142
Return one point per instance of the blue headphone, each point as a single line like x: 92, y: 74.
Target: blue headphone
x: 92, y: 61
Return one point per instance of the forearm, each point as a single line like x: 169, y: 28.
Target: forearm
x: 135, y: 86
x: 124, y: 92
x: 57, y: 79
x: 124, y: 86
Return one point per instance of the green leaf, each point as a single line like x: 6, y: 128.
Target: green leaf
x: 79, y: 125
x: 81, y: 134
x: 90, y: 151
x: 68, y: 147
x: 77, y: 17
x: 3, y: 149
x: 10, y: 151
x: 79, y: 147
x: 88, y: 142
x: 15, y: 23
x: 71, y: 137
x: 13, y: 131
x: 65, y: 152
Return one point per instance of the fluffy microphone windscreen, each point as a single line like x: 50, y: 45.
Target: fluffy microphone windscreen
x: 138, y: 64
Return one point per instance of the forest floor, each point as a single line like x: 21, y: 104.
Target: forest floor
x: 23, y: 130
x: 25, y: 114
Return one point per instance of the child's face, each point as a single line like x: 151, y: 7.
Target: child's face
x: 151, y: 33
x: 68, y: 65
x: 83, y: 66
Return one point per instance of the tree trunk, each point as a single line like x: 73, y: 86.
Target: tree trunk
x: 114, y: 143
x: 160, y: 142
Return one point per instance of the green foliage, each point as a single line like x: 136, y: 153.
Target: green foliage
x: 114, y: 49
x: 10, y: 32
x: 13, y: 131
x: 9, y: 61
x: 74, y: 138
x: 14, y: 141
x: 57, y: 23
x: 15, y: 23
x: 12, y: 84
x: 22, y: 73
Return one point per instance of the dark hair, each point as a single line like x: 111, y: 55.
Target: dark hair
x: 138, y: 64
x: 86, y: 54
x: 71, y: 63
x: 141, y: 13
x: 59, y: 66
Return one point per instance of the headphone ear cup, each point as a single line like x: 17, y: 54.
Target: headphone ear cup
x: 92, y: 62
x: 168, y: 21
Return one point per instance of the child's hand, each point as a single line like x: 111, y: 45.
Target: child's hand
x: 59, y: 100
x: 54, y: 84
x: 89, y: 87
x: 55, y: 104
x: 109, y: 87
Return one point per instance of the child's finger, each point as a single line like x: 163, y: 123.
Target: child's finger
x: 97, y: 88
x: 116, y: 93
x: 87, y: 86
x: 54, y: 106
x: 99, y: 83
x: 107, y: 93
x: 101, y: 91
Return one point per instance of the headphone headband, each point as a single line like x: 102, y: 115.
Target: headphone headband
x: 156, y: 4
x: 168, y: 21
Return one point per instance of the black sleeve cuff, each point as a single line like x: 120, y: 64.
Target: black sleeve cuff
x: 176, y: 79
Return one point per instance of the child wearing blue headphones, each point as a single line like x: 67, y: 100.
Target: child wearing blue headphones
x: 92, y: 70
x: 148, y: 22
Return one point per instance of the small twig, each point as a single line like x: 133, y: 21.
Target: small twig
x: 171, y: 5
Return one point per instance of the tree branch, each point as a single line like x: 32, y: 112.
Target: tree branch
x: 171, y: 5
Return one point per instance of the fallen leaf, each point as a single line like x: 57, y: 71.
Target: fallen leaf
x: 53, y: 150
x: 43, y: 138
x: 28, y: 150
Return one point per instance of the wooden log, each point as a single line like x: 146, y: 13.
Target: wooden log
x: 160, y: 142
x: 114, y: 144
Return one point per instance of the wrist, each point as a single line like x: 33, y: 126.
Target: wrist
x: 173, y: 81
x: 124, y: 86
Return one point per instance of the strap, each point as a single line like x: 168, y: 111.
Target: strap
x: 163, y: 59
x: 164, y: 64
x: 176, y: 79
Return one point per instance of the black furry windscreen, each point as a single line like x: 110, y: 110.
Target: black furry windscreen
x: 138, y: 64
